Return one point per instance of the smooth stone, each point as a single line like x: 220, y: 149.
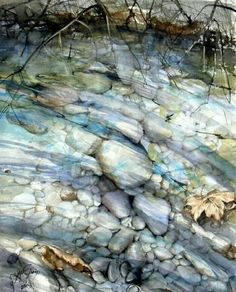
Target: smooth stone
x: 154, y: 211
x: 163, y: 253
x: 217, y: 286
x: 156, y: 282
x: 135, y: 255
x: 85, y: 197
x: 74, y: 109
x: 99, y: 236
x: 57, y: 95
x: 97, y: 83
x: 113, y: 271
x: 79, y: 277
x: 117, y: 203
x: 99, y: 277
x: 100, y: 264
x: 121, y: 240
x: 156, y: 128
x: 138, y: 223
x: 166, y: 267
x: 82, y: 140
x: 113, y: 120
x: 106, y: 220
x: 24, y: 201
x: 66, y: 209
x: 128, y: 168
x: 27, y: 243
x: 189, y: 275
x: 200, y: 265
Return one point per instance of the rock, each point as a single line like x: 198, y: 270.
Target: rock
x: 27, y: 243
x: 156, y: 128
x: 85, y: 197
x: 24, y: 201
x: 100, y: 264
x: 216, y: 286
x: 135, y: 255
x: 113, y: 271
x: 74, y: 109
x: 112, y: 120
x: 189, y: 275
x: 78, y: 277
x: 166, y: 267
x: 156, y: 282
x: 106, y: 220
x: 154, y: 211
x: 121, y: 240
x: 57, y: 95
x: 82, y: 140
x: 27, y: 120
x: 124, y: 62
x: 97, y: 83
x: 163, y: 253
x: 66, y: 209
x: 128, y: 168
x: 98, y: 277
x: 200, y: 265
x: 138, y: 223
x: 117, y: 203
x: 99, y: 236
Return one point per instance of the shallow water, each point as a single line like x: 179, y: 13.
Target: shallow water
x: 102, y: 139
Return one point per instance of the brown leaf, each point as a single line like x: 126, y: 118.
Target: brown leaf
x: 213, y: 204
x: 57, y: 259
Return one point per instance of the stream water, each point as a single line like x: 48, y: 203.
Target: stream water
x: 102, y: 140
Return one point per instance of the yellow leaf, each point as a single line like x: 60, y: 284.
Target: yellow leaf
x: 213, y: 204
x: 57, y: 259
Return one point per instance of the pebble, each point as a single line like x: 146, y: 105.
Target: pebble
x: 138, y: 223
x: 163, y: 253
x: 121, y: 240
x: 27, y: 243
x: 106, y: 220
x: 117, y: 203
x: 166, y: 267
x: 154, y: 211
x: 85, y: 197
x: 99, y: 237
x: 135, y: 255
x: 189, y: 275
x: 113, y: 271
x: 99, y: 277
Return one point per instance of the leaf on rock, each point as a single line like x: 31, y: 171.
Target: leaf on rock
x: 212, y: 205
x: 57, y: 259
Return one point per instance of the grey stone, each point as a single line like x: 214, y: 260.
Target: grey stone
x: 135, y: 255
x: 85, y: 197
x: 99, y: 236
x: 163, y: 253
x: 201, y: 265
x: 128, y: 168
x: 189, y: 275
x: 121, y: 240
x: 154, y: 211
x: 106, y: 220
x: 99, y: 277
x: 166, y: 267
x: 100, y: 264
x: 113, y: 271
x: 138, y: 223
x: 156, y: 128
x: 82, y: 141
x: 117, y: 203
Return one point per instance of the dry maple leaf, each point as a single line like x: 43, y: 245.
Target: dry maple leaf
x: 213, y: 204
x: 57, y: 259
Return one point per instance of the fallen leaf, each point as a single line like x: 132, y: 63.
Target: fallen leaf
x: 212, y: 205
x: 57, y: 259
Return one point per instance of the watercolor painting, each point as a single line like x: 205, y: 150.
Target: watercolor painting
x: 118, y: 145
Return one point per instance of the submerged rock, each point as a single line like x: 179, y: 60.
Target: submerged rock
x: 121, y: 240
x: 154, y: 211
x: 124, y: 165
